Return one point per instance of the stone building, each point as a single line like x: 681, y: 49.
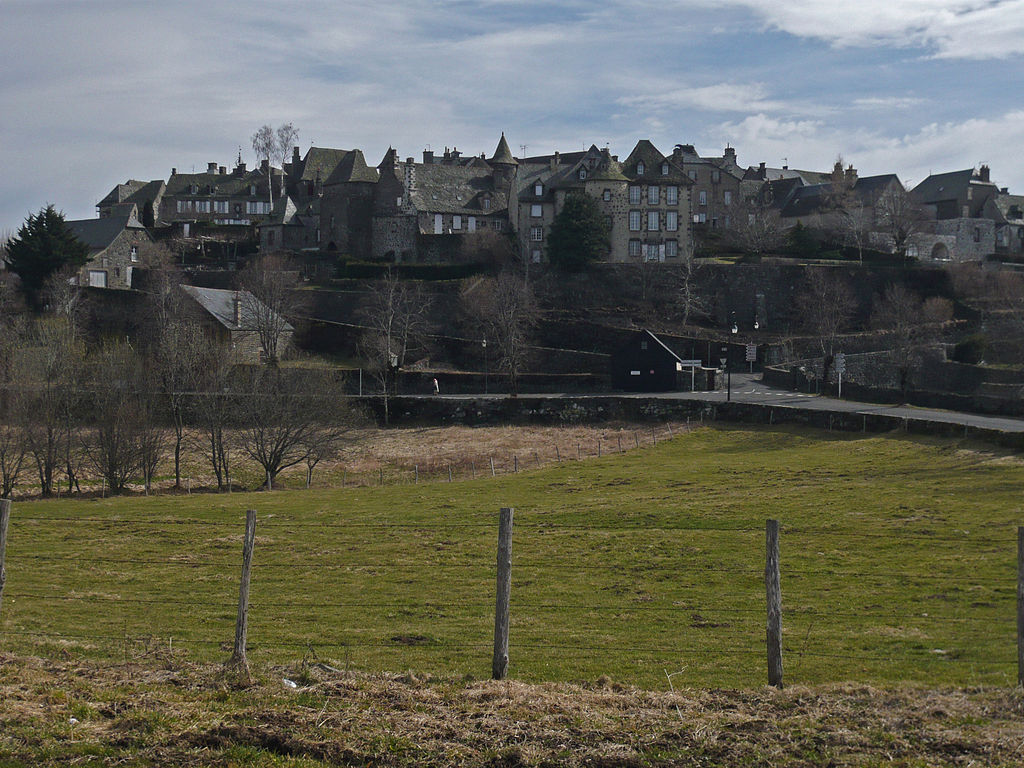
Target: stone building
x: 716, y: 191
x: 115, y: 244
x: 228, y: 317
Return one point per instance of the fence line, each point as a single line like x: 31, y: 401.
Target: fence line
x: 569, y: 641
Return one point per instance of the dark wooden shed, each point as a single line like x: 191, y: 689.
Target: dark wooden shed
x: 645, y: 364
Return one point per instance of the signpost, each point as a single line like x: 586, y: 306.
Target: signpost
x: 840, y: 363
x: 751, y: 355
x: 693, y: 365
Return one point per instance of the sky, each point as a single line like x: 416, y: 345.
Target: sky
x: 96, y: 92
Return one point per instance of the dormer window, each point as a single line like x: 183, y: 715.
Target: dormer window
x: 487, y: 203
x: 664, y: 169
x: 640, y: 168
x: 252, y: 189
x: 538, y: 189
x: 583, y: 173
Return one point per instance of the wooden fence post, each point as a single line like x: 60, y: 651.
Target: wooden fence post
x: 1020, y: 600
x: 449, y: 473
x: 620, y: 443
x: 579, y: 452
x: 599, y: 449
x: 238, y: 658
x: 636, y: 438
x: 515, y: 463
x: 558, y: 456
x: 491, y: 459
x: 499, y: 666
x: 417, y: 475
x: 774, y: 597
x: 5, y: 518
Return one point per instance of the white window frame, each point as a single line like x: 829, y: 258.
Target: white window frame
x: 438, y: 224
x: 536, y: 234
x: 672, y: 195
x: 634, y: 221
x: 456, y: 222
x: 702, y: 197
x: 671, y: 249
x: 97, y: 278
x: 536, y: 211
x: 653, y: 194
x: 727, y: 197
x: 471, y: 224
x: 635, y: 195
x: 133, y: 254
x: 634, y: 248
x: 538, y: 189
x: 640, y: 168
x: 671, y: 221
x: 606, y: 195
x: 653, y: 220
x: 664, y: 169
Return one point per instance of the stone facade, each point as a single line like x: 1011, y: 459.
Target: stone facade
x: 115, y: 249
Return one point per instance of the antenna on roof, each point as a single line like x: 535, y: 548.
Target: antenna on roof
x: 522, y: 147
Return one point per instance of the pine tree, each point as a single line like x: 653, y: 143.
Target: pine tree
x: 578, y: 235
x: 44, y: 244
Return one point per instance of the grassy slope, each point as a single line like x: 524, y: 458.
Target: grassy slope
x: 898, y: 562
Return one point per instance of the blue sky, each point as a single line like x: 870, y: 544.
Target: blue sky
x: 95, y: 92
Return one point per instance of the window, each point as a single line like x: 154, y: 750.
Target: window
x: 608, y: 222
x: 672, y: 220
x: 487, y: 203
x: 203, y: 206
x: 252, y: 189
x: 471, y: 224
x: 634, y: 247
x: 640, y: 168
x: 536, y: 211
x: 583, y: 173
x: 535, y: 256
x: 634, y: 196
x: 664, y: 169
x: 398, y: 202
x: 184, y: 205
x: 653, y: 197
x: 220, y: 206
x: 671, y: 249
x: 692, y: 175
x: 634, y: 221
x: 438, y: 223
x: 671, y: 195
x: 652, y: 221
x: 702, y: 197
x: 652, y: 252
x: 701, y: 218
x: 536, y: 234
x: 134, y: 254
x: 727, y: 197
x: 606, y: 195
x: 716, y: 176
x: 538, y: 189
x: 977, y: 234
x: 97, y: 278
x: 456, y: 222
x: 643, y: 344
x: 496, y: 225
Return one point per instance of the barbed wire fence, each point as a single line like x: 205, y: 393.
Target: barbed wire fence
x: 772, y: 615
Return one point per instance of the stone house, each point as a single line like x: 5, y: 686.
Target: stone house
x: 146, y: 196
x: 717, y: 186
x: 228, y: 317
x: 1007, y: 211
x: 963, y: 205
x: 115, y: 244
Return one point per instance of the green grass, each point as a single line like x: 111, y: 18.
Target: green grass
x: 898, y: 563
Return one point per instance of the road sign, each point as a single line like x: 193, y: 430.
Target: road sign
x: 691, y: 363
x: 751, y: 353
x: 840, y: 363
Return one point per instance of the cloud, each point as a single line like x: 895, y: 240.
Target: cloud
x: 722, y: 97
x: 955, y: 29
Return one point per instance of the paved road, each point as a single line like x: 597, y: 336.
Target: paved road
x: 748, y: 388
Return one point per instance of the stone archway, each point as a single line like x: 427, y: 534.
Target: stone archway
x: 940, y: 252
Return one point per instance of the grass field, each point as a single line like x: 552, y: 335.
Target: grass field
x: 898, y: 564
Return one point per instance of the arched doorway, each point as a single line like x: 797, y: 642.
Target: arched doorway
x: 940, y: 252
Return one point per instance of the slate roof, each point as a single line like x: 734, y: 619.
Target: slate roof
x: 231, y: 184
x: 220, y: 304
x: 320, y: 162
x: 98, y: 234
x: 943, y: 186
x: 1010, y: 207
x: 455, y: 189
x: 503, y: 155
x: 352, y: 167
x: 653, y: 159
x: 120, y: 193
x: 806, y: 200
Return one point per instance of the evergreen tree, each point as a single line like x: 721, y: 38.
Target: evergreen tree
x: 579, y: 234
x: 44, y: 244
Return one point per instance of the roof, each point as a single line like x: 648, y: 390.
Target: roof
x: 220, y: 304
x: 352, y: 167
x: 98, y: 234
x: 121, y: 192
x: 455, y: 189
x: 319, y: 163
x: 653, y: 160
x: 659, y: 342
x: 503, y: 155
x: 1011, y: 207
x: 234, y: 184
x: 806, y: 200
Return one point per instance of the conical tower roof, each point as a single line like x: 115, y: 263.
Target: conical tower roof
x: 503, y: 155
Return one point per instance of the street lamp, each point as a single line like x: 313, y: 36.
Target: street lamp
x: 484, y: 345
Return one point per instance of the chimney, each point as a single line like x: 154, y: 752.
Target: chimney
x: 238, y: 309
x: 456, y: 154
x: 851, y: 175
x: 408, y: 161
x: 761, y: 171
x: 296, y: 158
x: 730, y: 154
x: 1004, y: 190
x: 983, y: 173
x: 222, y: 170
x: 240, y: 169
x: 554, y: 161
x: 428, y: 157
x: 211, y: 167
x: 174, y: 171
x: 265, y: 166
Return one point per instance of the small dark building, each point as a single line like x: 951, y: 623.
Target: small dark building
x: 645, y: 364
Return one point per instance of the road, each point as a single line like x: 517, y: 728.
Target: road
x: 748, y: 388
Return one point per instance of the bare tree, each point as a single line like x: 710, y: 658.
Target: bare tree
x: 396, y: 315
x: 214, y: 409
x: 268, y: 299
x: 507, y: 309
x: 826, y: 307
x: 691, y: 301
x: 270, y: 145
x: 287, y: 421
x: 911, y: 324
x: 756, y: 227
x: 900, y: 218
x: 284, y: 139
